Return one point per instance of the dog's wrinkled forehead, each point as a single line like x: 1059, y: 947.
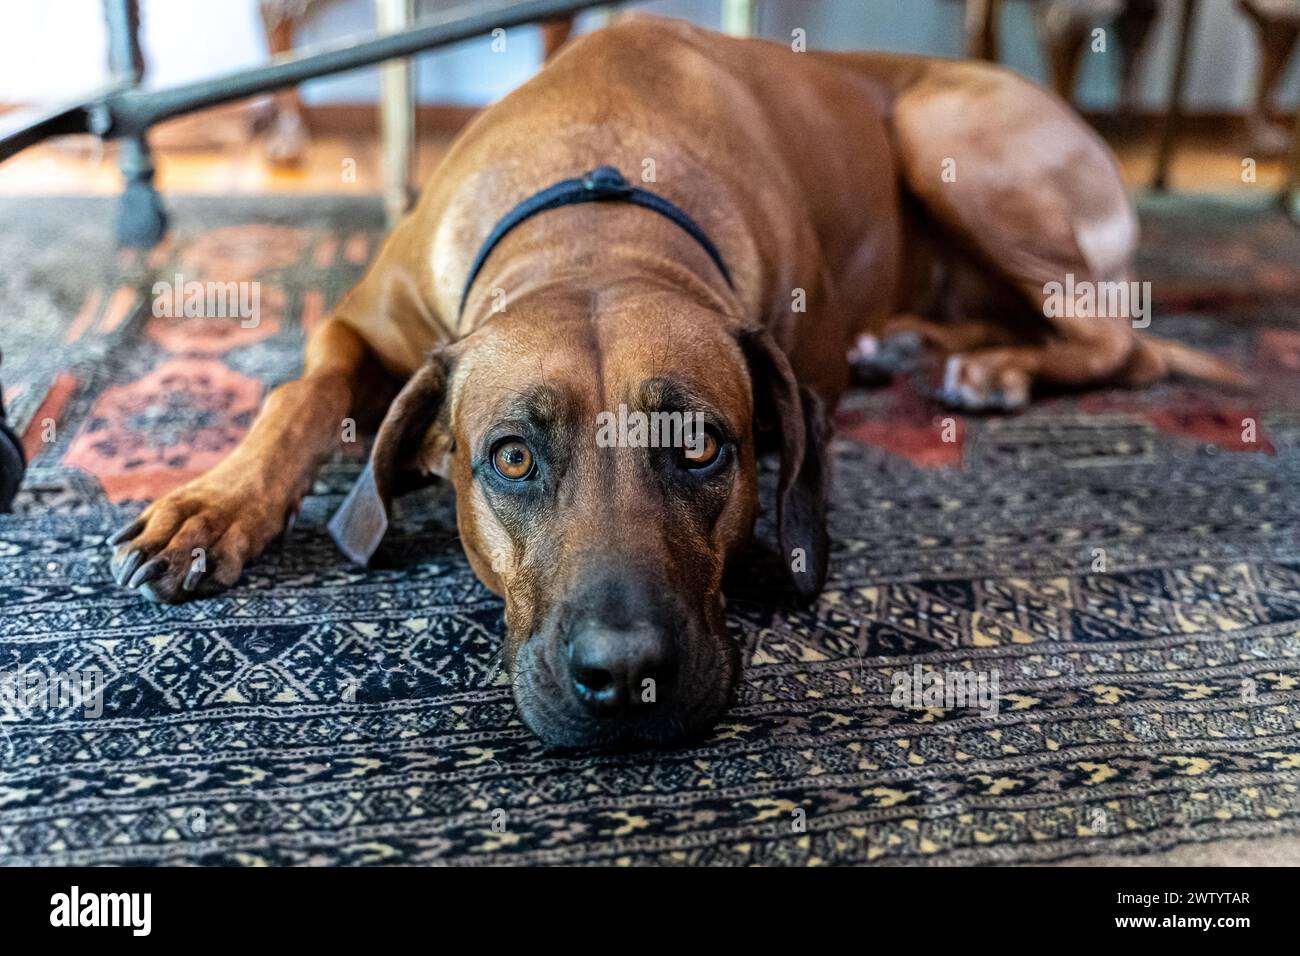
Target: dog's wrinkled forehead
x: 546, y: 408
x: 577, y: 366
x: 539, y: 406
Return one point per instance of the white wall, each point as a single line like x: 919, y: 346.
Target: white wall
x: 52, y: 50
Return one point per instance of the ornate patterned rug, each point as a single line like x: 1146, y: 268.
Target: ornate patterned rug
x: 1119, y: 571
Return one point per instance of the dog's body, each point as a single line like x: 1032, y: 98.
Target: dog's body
x: 849, y: 195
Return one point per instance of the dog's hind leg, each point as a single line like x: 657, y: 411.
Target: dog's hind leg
x: 197, y: 539
x: 1027, y: 192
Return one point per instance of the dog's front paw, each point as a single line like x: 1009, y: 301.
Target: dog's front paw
x: 194, y: 542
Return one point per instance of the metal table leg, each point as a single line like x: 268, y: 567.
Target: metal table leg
x: 141, y: 219
x: 125, y: 112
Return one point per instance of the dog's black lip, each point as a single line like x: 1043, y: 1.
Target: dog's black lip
x: 537, y: 702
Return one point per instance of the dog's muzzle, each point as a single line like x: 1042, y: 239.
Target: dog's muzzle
x: 624, y: 664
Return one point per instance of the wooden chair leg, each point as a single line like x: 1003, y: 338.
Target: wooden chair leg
x: 397, y: 113
x: 982, y: 22
x: 1291, y: 191
x: 287, y: 134
x: 1276, y: 38
x: 1064, y: 48
x: 1133, y: 29
x: 1174, y: 111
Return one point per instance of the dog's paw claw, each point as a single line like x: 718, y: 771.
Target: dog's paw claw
x: 126, y: 532
x: 149, y: 571
x: 192, y: 579
x: 122, y: 571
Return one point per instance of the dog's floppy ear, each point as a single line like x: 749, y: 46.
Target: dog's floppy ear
x: 359, y: 524
x: 804, y: 443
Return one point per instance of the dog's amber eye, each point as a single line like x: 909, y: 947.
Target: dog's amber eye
x: 513, y: 459
x: 703, y: 454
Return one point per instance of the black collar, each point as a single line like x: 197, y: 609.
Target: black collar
x: 603, y: 184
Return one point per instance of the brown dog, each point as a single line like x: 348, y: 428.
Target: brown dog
x: 848, y: 195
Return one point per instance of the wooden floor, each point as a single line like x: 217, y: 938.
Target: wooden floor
x: 333, y: 164
x: 217, y: 155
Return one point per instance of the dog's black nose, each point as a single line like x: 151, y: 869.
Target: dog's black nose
x: 617, y: 669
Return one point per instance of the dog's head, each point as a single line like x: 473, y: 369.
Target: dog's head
x: 604, y: 458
